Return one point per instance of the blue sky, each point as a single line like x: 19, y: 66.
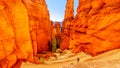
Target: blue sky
x: 56, y: 9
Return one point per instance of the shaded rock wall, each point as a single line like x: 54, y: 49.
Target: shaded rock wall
x: 58, y: 33
x: 95, y: 28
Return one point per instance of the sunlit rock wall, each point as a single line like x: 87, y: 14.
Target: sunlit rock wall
x: 40, y: 26
x: 25, y: 30
x: 15, y: 42
x: 95, y: 28
x: 68, y: 17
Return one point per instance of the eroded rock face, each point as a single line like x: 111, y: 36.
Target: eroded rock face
x: 68, y: 17
x: 25, y: 30
x: 40, y: 26
x: 69, y: 12
x: 15, y: 42
x: 96, y: 26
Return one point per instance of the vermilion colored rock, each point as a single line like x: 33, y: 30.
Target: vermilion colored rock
x: 40, y: 26
x: 15, y: 42
x: 68, y: 17
x: 25, y: 30
x: 95, y: 28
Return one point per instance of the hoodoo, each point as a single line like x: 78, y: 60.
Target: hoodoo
x: 68, y: 17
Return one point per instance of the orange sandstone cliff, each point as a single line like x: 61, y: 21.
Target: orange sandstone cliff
x: 15, y: 40
x: 96, y: 27
x: 40, y: 26
x: 25, y: 30
x: 68, y: 17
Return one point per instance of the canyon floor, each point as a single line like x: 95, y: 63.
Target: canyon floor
x: 107, y: 56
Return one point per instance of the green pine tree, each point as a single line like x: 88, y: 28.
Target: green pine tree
x: 54, y: 44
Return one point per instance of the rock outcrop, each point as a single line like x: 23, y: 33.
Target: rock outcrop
x: 25, y: 30
x: 15, y: 42
x: 95, y: 28
x: 68, y: 17
x: 40, y: 26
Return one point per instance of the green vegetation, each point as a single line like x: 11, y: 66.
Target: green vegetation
x: 54, y: 44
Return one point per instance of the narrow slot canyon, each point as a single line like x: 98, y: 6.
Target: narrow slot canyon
x: 85, y: 36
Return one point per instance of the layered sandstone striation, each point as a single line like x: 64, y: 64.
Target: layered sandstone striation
x: 95, y: 28
x: 25, y: 30
x: 68, y: 17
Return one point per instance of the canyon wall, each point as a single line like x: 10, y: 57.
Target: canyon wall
x: 95, y: 28
x: 40, y: 25
x: 15, y: 42
x: 25, y: 30
x: 68, y: 17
